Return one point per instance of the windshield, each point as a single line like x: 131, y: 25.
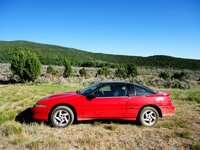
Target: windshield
x: 90, y: 89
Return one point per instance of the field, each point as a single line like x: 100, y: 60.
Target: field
x: 179, y: 132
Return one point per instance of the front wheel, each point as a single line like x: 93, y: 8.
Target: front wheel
x: 62, y: 116
x: 149, y: 116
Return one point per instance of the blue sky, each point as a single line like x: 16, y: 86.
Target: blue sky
x: 128, y: 27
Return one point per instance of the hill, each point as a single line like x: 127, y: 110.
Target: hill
x: 52, y: 54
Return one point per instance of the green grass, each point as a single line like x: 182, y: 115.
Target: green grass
x: 16, y: 98
x: 195, y: 146
x: 111, y: 127
x: 34, y: 144
x: 192, y: 94
x: 12, y: 129
x: 88, y: 141
x: 7, y: 116
x: 184, y: 134
x: 175, y: 122
x: 18, y: 140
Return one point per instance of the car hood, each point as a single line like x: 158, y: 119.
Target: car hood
x: 65, y: 94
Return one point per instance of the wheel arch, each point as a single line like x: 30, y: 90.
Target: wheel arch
x: 64, y: 104
x: 154, y: 106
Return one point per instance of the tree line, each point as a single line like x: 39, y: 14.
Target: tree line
x: 53, y: 55
x: 26, y: 65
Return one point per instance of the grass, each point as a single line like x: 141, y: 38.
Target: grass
x: 18, y: 140
x: 182, y: 129
x: 6, y: 117
x: 195, y: 146
x: 12, y: 129
x: 192, y: 95
x: 184, y: 134
x: 111, y: 127
x: 87, y: 141
x: 35, y: 144
x: 175, y: 122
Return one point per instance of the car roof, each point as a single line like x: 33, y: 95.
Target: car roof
x: 116, y: 82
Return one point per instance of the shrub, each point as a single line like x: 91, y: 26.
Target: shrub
x: 164, y: 75
x: 179, y: 84
x: 83, y: 72
x: 103, y: 71
x: 180, y: 75
x: 121, y: 72
x: 138, y: 80
x: 68, y: 68
x: 132, y: 70
x: 25, y: 65
x: 156, y: 81
x: 51, y: 70
x: 88, y: 64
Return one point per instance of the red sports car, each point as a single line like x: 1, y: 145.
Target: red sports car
x: 105, y: 100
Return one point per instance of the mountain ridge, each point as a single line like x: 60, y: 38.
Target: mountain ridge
x: 51, y: 54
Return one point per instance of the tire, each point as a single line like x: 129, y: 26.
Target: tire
x: 148, y: 116
x: 62, y: 116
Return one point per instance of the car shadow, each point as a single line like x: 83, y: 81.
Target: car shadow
x: 99, y: 121
x: 25, y: 116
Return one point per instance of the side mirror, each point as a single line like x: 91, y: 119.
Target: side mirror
x: 90, y: 96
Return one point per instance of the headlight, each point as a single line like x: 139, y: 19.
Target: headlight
x: 40, y: 105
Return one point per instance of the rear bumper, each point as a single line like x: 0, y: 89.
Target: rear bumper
x: 168, y: 110
x: 40, y: 113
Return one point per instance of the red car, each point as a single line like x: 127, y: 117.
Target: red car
x: 105, y: 100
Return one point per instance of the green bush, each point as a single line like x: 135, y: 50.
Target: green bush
x: 68, y: 68
x: 121, y: 72
x: 180, y: 75
x: 179, y: 84
x: 88, y: 64
x: 26, y: 65
x: 156, y: 81
x: 164, y: 75
x: 138, y: 80
x: 131, y: 70
x: 51, y: 70
x: 103, y: 71
x: 83, y: 72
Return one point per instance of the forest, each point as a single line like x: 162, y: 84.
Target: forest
x: 54, y: 55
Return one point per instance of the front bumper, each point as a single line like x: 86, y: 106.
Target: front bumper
x: 40, y: 113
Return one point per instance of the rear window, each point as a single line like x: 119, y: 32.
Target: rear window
x: 141, y: 91
x: 136, y: 90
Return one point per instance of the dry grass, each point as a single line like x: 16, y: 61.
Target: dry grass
x: 179, y: 132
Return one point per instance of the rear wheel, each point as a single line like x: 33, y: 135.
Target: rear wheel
x: 149, y: 116
x: 62, y: 116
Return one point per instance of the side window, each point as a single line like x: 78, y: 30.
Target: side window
x: 132, y: 90
x: 111, y: 91
x: 140, y: 91
x: 104, y: 91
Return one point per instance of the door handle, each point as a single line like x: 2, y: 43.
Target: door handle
x: 125, y: 101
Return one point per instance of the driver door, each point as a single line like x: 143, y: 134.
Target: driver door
x: 108, y: 103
